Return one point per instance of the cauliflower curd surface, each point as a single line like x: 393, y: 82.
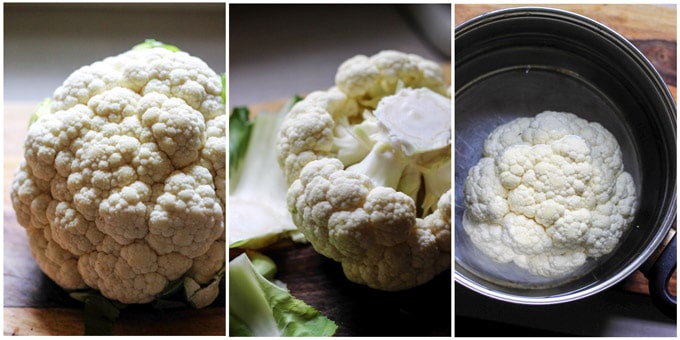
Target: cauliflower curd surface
x: 548, y: 193
x: 122, y: 185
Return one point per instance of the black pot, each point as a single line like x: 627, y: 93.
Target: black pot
x: 520, y: 62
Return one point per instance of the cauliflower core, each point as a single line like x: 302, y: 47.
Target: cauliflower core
x: 368, y: 163
x: 548, y: 193
x: 122, y: 187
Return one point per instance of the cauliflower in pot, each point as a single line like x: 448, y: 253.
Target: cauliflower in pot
x: 549, y: 192
x: 368, y: 163
x: 122, y: 185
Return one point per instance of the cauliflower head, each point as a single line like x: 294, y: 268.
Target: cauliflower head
x: 368, y: 163
x: 548, y: 193
x: 122, y: 185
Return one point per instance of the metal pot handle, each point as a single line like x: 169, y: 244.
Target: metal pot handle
x: 659, y: 275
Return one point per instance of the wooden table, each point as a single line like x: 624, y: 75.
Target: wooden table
x: 35, y: 305
x: 651, y: 28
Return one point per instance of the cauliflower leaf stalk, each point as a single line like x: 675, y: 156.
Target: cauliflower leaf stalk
x: 368, y: 163
x: 258, y: 214
x: 40, y: 110
x: 122, y: 186
x: 240, y: 129
x: 259, y: 307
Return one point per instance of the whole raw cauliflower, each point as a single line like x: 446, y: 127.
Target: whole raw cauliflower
x: 122, y: 188
x: 368, y: 163
x: 549, y: 192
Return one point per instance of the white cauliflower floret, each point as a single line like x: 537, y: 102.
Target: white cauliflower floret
x: 369, y: 78
x: 548, y: 193
x: 368, y: 163
x: 122, y: 186
x: 373, y: 231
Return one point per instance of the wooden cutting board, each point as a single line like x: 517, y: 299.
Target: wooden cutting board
x: 35, y: 305
x: 651, y: 28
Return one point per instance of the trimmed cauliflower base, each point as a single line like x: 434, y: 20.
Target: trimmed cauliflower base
x: 122, y: 188
x: 548, y: 193
x: 368, y: 164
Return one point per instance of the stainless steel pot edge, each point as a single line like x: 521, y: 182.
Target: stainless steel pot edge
x: 670, y: 216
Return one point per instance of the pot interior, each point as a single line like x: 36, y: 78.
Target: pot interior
x: 518, y: 63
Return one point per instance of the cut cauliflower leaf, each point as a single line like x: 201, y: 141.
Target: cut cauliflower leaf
x: 368, y: 164
x: 259, y: 307
x: 122, y: 186
x: 258, y: 214
x: 548, y: 193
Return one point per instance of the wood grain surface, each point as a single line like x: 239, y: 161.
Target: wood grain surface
x: 651, y: 28
x: 635, y: 22
x: 35, y: 305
